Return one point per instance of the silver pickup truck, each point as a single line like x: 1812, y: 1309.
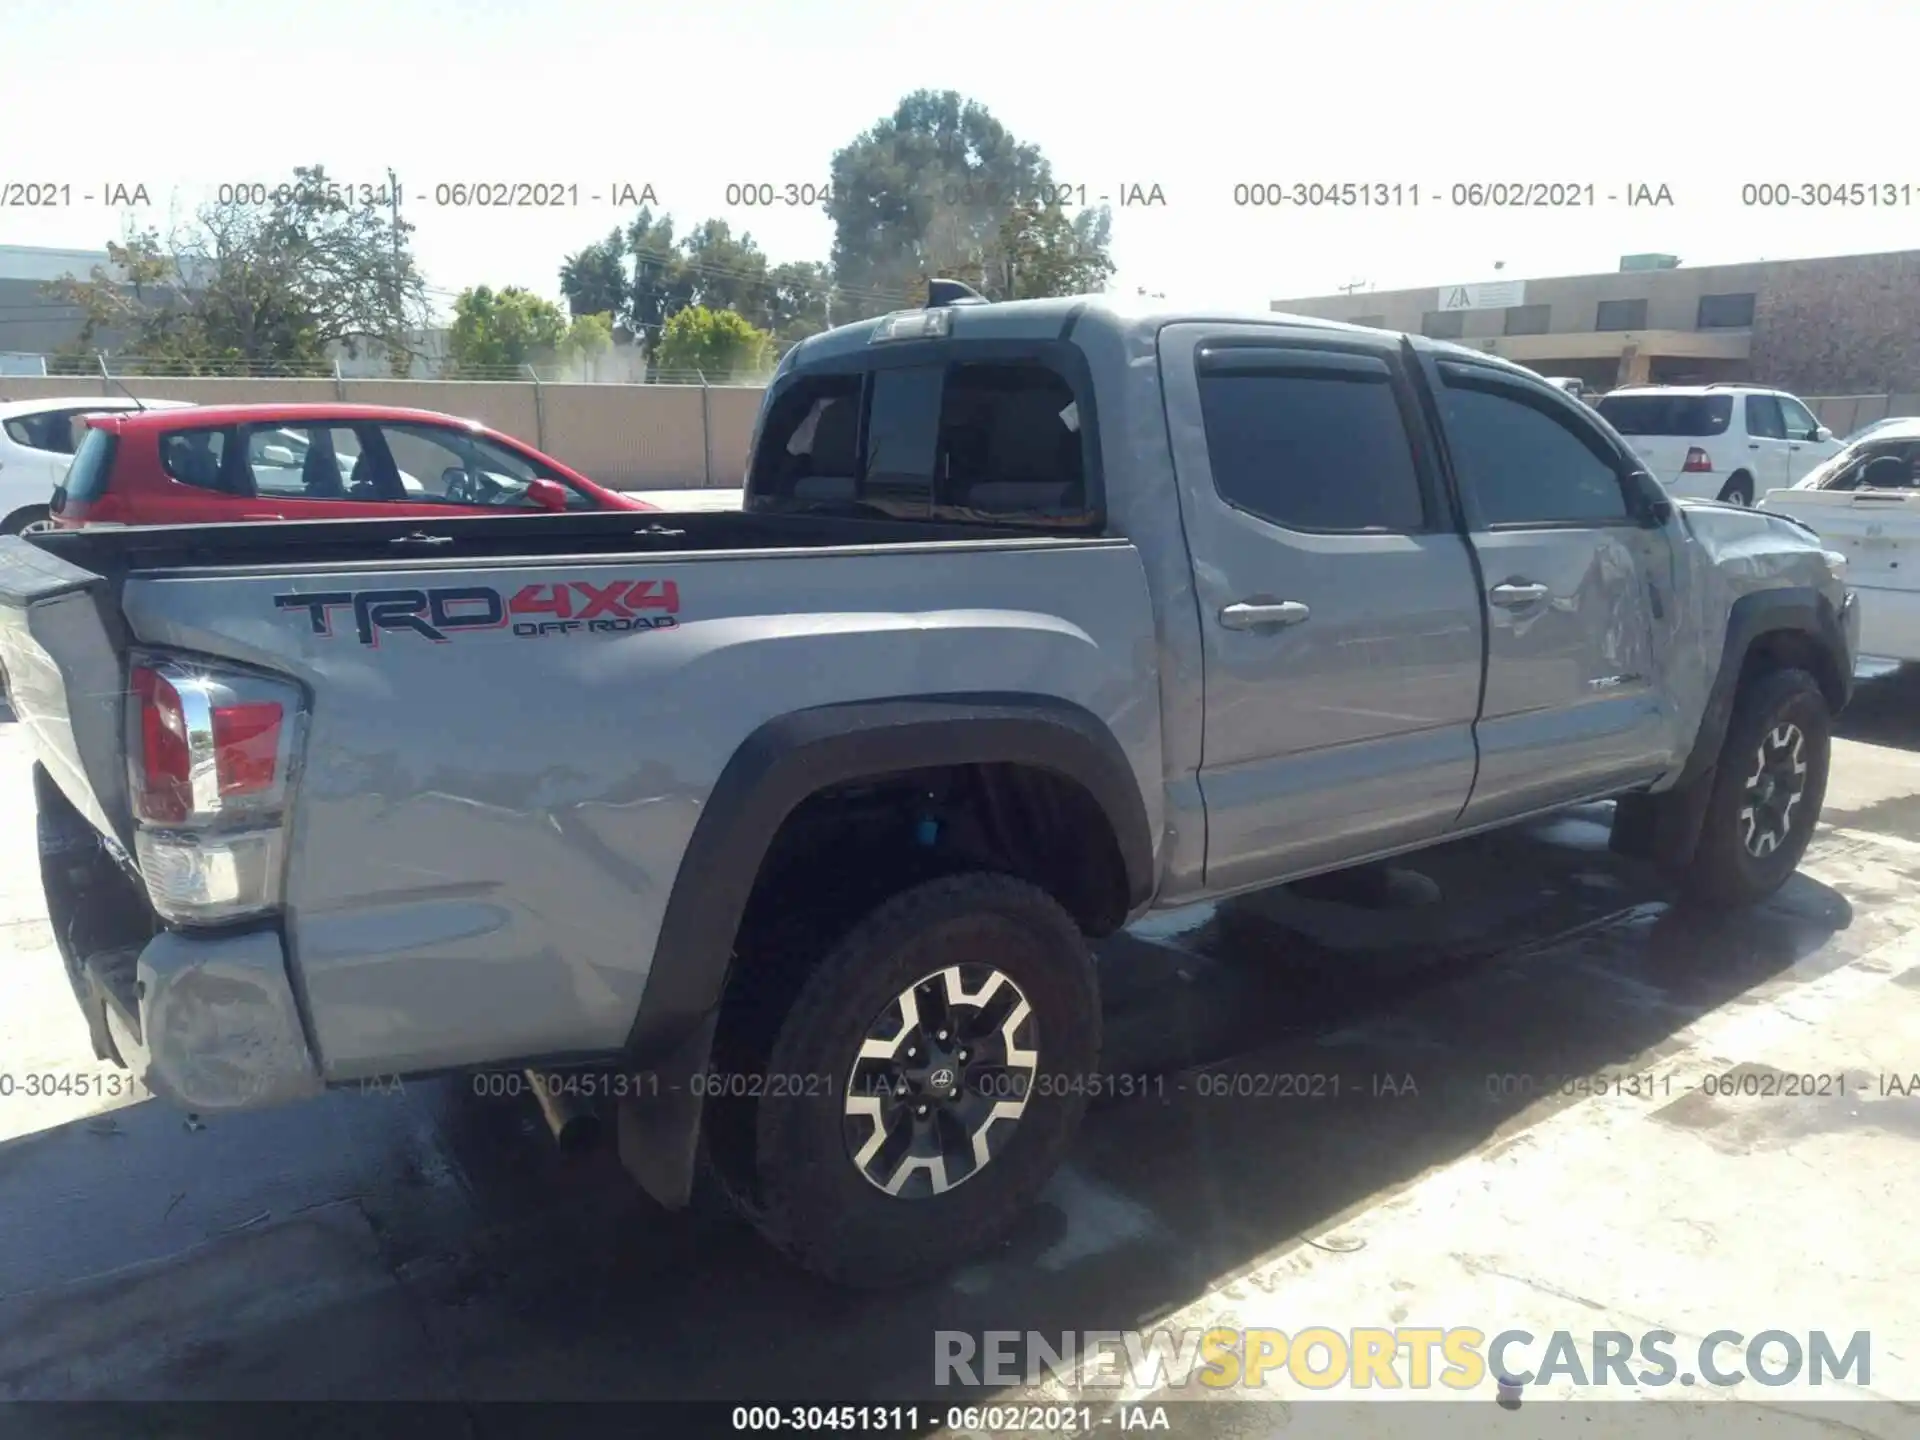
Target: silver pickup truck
x: 781, y: 832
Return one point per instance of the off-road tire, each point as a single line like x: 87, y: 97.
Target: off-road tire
x: 1738, y: 490
x: 1724, y: 872
x: 815, y: 1204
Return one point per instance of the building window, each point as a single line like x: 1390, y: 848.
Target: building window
x: 1372, y: 322
x: 1725, y: 312
x: 1621, y: 315
x: 1528, y: 319
x: 1444, y: 324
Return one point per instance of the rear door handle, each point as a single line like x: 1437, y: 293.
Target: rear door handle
x: 1250, y: 615
x: 262, y: 515
x: 1514, y: 595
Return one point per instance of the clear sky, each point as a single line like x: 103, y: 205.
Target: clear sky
x: 1195, y: 97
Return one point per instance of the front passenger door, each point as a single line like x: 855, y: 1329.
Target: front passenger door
x: 1574, y: 585
x: 1767, y: 447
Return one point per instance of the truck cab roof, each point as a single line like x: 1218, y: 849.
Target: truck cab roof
x: 1059, y: 317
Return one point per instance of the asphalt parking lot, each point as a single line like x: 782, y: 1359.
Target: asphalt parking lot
x: 431, y: 1243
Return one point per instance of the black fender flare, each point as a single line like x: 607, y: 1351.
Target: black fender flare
x: 778, y: 766
x: 1799, y: 609
x: 1670, y: 821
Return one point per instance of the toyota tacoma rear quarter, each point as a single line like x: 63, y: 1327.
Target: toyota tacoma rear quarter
x: 784, y: 832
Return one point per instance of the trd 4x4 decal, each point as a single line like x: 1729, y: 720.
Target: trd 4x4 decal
x: 565, y: 607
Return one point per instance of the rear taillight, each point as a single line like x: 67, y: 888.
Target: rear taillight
x: 210, y: 753
x: 1698, y: 461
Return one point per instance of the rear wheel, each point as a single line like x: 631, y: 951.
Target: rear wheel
x: 1739, y: 490
x: 1768, y: 787
x: 913, y: 1105
x: 28, y: 521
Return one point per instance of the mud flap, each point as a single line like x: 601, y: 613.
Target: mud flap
x: 658, y: 1132
x: 1665, y: 828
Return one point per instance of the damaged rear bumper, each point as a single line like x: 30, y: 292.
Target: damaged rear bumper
x: 206, y: 1022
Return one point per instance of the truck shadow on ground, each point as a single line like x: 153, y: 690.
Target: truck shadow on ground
x: 1296, y: 1057
x: 1291, y: 1058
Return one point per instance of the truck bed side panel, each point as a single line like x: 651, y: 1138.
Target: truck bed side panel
x: 489, y: 825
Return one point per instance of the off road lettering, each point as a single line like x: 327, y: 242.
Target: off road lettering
x: 565, y: 607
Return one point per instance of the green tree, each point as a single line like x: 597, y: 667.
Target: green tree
x: 497, y: 329
x: 659, y: 286
x: 594, y: 279
x: 320, y: 263
x: 587, y: 336
x: 800, y: 301
x: 724, y: 273
x: 1040, y: 251
x: 720, y: 344
x: 930, y: 190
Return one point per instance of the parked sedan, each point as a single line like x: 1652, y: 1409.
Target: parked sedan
x: 225, y: 463
x: 37, y: 441
x: 1865, y: 503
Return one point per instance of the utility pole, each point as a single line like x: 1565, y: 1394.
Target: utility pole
x: 393, y: 211
x: 1356, y: 285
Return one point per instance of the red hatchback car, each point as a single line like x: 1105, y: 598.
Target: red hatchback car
x: 218, y: 463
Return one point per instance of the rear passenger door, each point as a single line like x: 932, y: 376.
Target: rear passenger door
x: 1574, y: 584
x: 1338, y: 605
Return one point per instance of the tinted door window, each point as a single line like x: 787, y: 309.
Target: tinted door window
x: 1764, y: 419
x: 1323, y: 451
x: 52, y: 430
x: 1799, y: 420
x: 1657, y: 414
x: 432, y: 464
x: 1524, y: 464
x: 302, y: 462
x: 195, y: 457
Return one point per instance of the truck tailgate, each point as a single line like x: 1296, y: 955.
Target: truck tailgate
x: 62, y: 643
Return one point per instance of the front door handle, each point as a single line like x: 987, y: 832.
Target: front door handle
x: 262, y: 515
x: 1252, y: 615
x: 1515, y: 594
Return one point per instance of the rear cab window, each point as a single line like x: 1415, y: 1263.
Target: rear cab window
x: 1691, y: 416
x: 972, y: 434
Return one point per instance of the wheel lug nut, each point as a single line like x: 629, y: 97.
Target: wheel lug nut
x: 943, y: 1034
x: 922, y: 1110
x: 963, y: 1055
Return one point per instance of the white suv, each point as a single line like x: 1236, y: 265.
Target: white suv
x: 37, y: 440
x: 1720, y: 442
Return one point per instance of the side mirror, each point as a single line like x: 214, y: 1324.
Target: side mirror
x: 1649, y: 499
x: 58, y: 503
x: 1822, y: 434
x: 547, y: 494
x: 279, y: 455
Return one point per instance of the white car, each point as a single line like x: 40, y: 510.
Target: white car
x: 1720, y: 442
x: 37, y: 441
x: 1865, y: 503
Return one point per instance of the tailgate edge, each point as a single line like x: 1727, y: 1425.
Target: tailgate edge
x: 62, y: 642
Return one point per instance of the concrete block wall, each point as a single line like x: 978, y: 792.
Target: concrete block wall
x: 1845, y: 326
